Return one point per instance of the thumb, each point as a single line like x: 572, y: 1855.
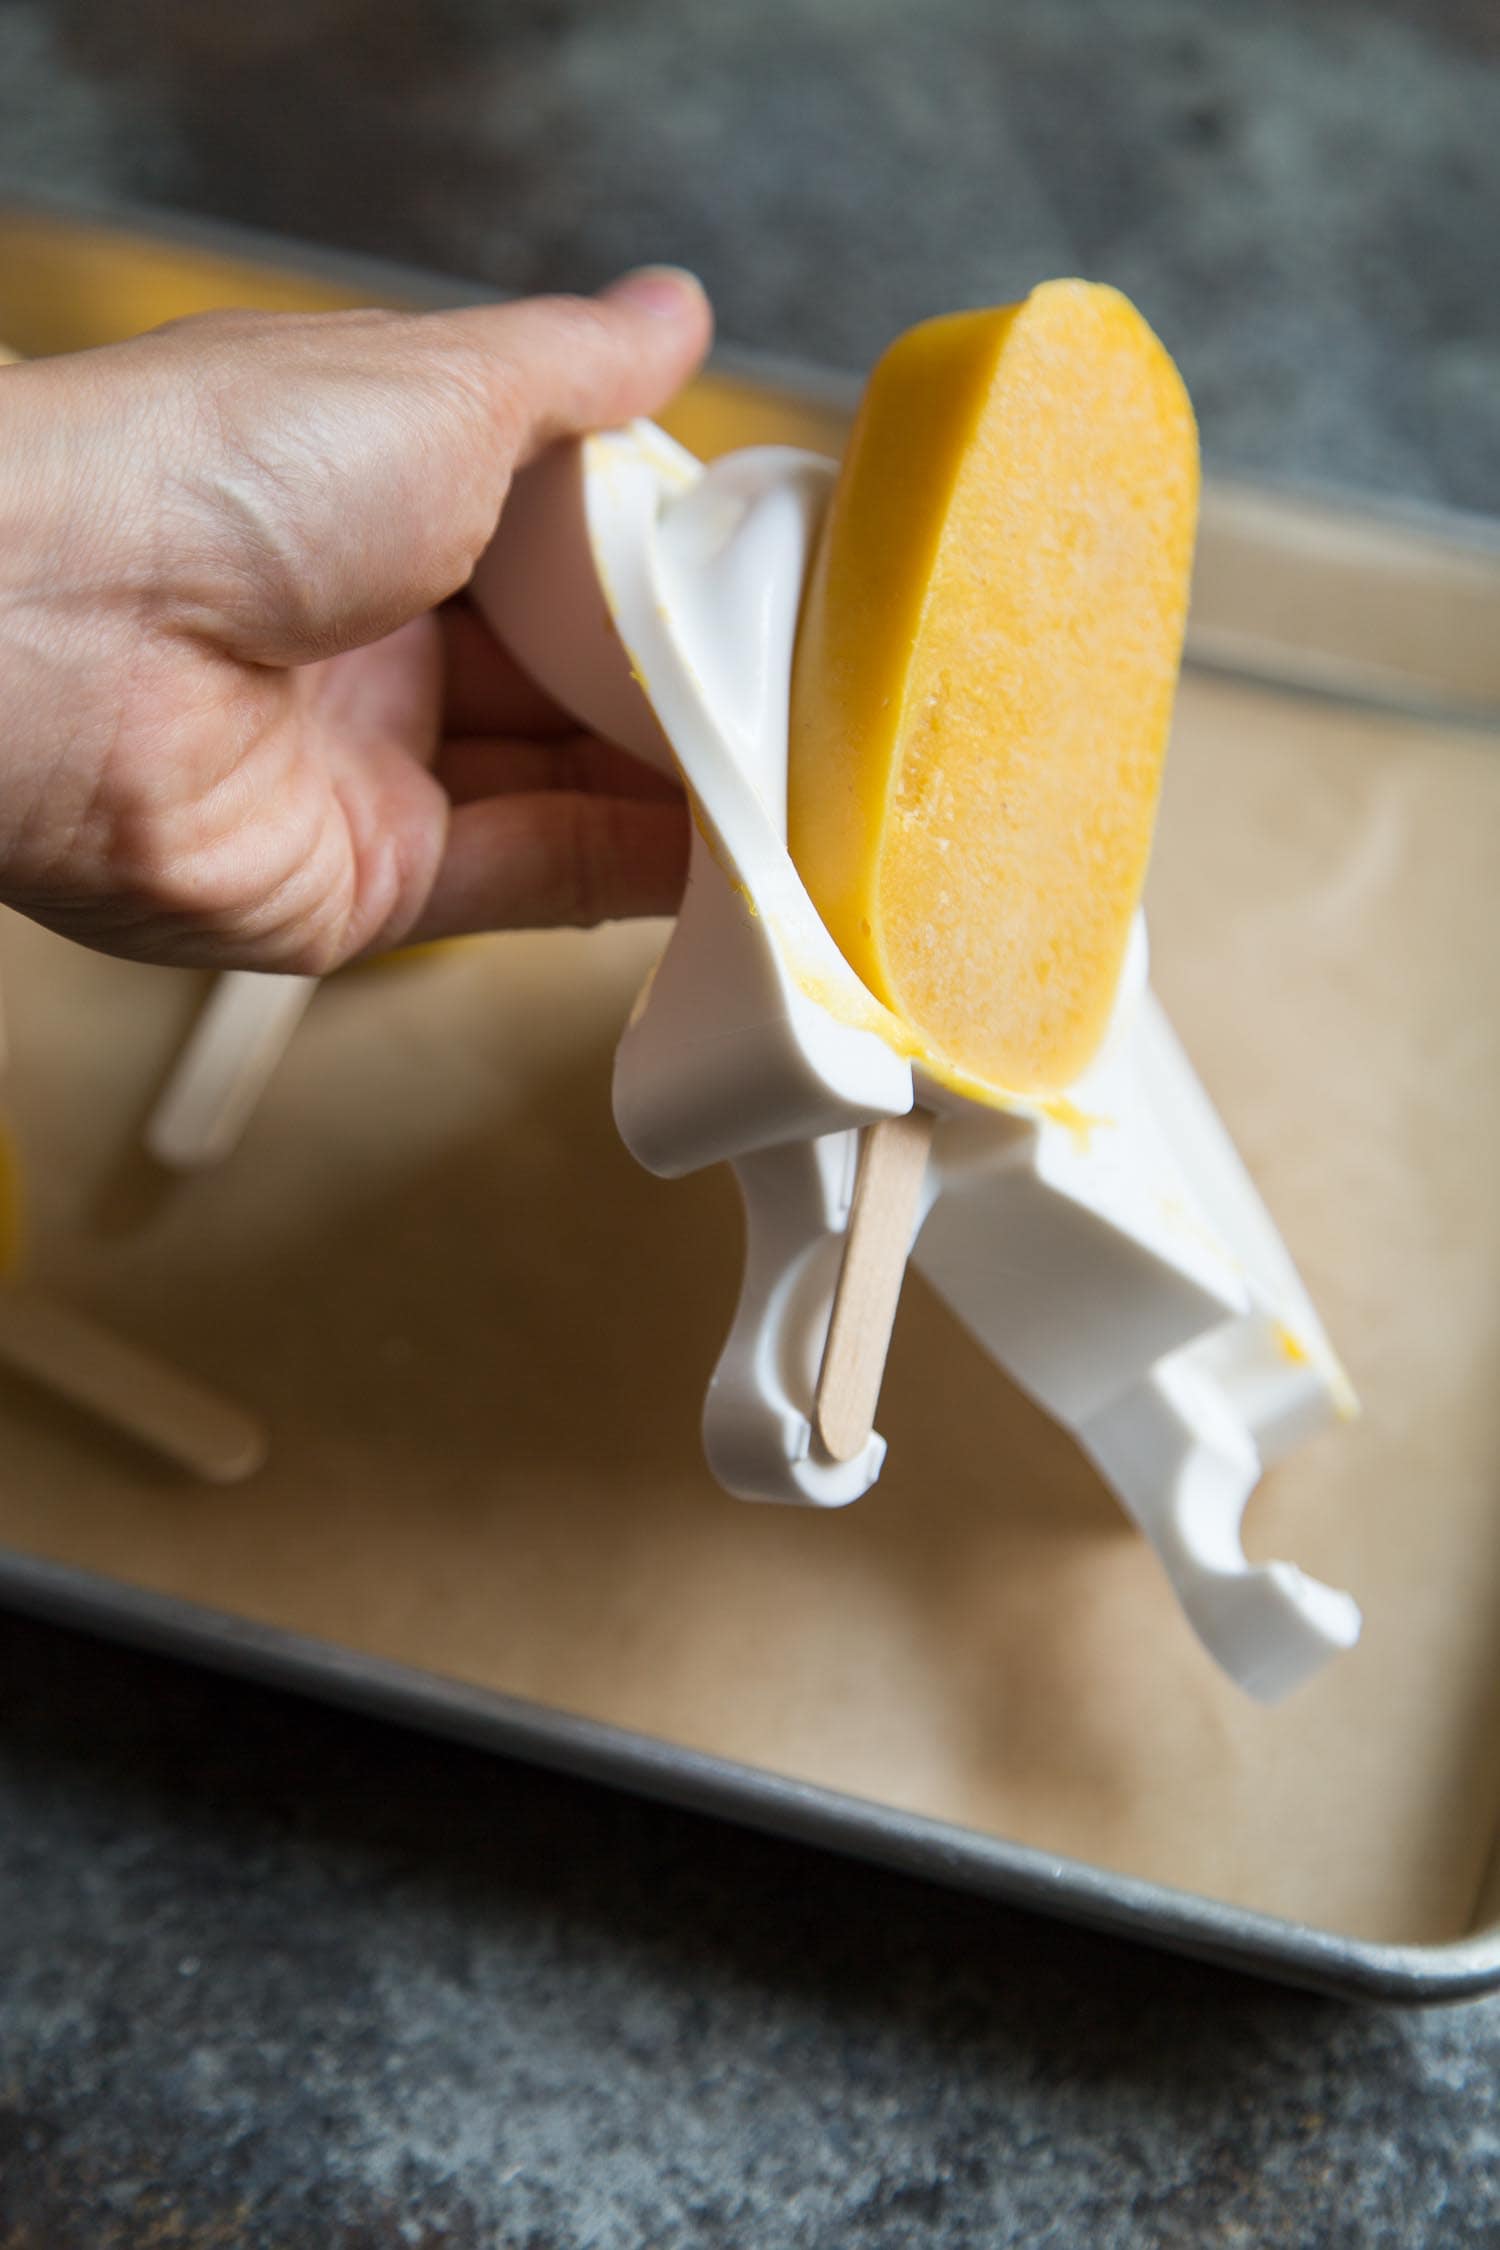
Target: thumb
x: 564, y: 365
x: 356, y: 464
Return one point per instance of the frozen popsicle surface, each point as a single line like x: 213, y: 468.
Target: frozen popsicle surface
x: 984, y: 674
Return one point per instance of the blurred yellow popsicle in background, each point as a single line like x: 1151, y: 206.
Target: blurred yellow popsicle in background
x: 985, y: 671
x: 10, y: 1205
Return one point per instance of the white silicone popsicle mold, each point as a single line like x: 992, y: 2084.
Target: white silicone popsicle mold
x: 1109, y: 1252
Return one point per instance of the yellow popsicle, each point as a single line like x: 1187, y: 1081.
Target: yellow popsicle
x: 984, y: 674
x: 10, y: 1204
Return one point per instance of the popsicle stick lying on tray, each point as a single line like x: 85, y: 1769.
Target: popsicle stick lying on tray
x: 90, y: 1366
x: 128, y: 1387
x: 231, y: 1055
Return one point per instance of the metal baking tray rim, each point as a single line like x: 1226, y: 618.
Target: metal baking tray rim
x: 392, y: 280
x: 1009, y: 1872
x: 994, y: 1867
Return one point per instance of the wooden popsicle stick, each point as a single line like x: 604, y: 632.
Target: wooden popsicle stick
x: 229, y: 1059
x: 892, y: 1164
x: 128, y: 1387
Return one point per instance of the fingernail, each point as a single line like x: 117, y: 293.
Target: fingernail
x: 657, y: 289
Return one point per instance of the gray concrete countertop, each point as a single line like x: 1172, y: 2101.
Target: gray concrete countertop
x: 1301, y: 194
x: 279, y: 1979
x: 275, y: 1978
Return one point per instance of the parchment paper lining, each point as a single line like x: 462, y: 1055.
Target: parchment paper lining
x: 481, y: 1337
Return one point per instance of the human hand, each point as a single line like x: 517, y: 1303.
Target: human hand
x: 241, y: 722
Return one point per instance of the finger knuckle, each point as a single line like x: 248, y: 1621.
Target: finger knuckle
x: 582, y: 322
x: 175, y: 869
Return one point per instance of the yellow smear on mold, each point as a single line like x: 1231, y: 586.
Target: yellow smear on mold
x: 1300, y: 1354
x: 984, y: 675
x: 1081, y: 1123
x: 851, y: 1004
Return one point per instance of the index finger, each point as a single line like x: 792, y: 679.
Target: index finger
x: 557, y: 366
x: 353, y: 466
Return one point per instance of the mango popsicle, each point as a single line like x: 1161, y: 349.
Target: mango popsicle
x: 984, y: 674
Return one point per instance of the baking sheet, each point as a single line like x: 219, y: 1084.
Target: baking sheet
x: 481, y: 1337
x: 1289, y: 587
